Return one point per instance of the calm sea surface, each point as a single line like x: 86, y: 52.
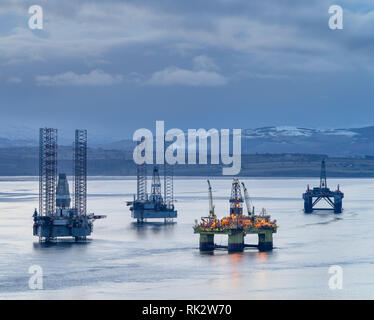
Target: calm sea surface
x: 155, y: 261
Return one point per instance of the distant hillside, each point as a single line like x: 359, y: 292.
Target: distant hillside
x: 275, y: 140
x: 334, y: 142
x: 24, y: 161
x: 337, y: 142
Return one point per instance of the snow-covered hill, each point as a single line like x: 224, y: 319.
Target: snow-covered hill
x: 288, y: 131
x: 333, y: 142
x: 281, y: 139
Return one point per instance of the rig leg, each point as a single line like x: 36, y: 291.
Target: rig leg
x: 35, y: 230
x: 236, y: 242
x: 206, y: 242
x: 308, y: 205
x: 337, y: 205
x: 265, y: 241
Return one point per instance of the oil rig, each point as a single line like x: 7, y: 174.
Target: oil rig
x: 56, y: 218
x: 333, y: 198
x: 153, y: 206
x: 236, y: 225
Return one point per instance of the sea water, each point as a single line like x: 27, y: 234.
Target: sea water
x: 124, y: 260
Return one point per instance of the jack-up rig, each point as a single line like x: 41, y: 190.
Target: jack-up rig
x: 153, y: 206
x: 333, y: 198
x: 237, y: 225
x: 56, y: 218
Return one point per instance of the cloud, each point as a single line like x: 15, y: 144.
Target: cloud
x: 261, y: 76
x: 94, y: 78
x: 195, y: 78
x: 266, y: 36
x: 203, y: 74
x: 74, y: 29
x: 205, y: 63
x: 14, y: 80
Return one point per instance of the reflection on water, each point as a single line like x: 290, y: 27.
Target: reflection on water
x: 145, y: 229
x: 61, y: 244
x: 236, y: 258
x: 262, y: 256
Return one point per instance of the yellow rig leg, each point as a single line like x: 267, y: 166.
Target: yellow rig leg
x: 265, y: 240
x: 206, y: 242
x: 236, y: 242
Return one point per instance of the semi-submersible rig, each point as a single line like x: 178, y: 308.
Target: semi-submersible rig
x: 56, y: 218
x: 334, y: 199
x: 237, y: 225
x: 153, y: 206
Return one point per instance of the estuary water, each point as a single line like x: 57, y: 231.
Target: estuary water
x: 156, y: 261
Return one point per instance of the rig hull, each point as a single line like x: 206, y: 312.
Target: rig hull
x: 333, y: 198
x: 153, y: 214
x: 53, y: 227
x: 49, y: 232
x: 142, y: 210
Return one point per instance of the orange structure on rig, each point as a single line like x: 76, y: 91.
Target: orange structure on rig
x: 234, y: 221
x: 236, y: 225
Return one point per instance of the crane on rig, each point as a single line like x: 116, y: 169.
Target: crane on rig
x: 248, y: 201
x: 212, y: 215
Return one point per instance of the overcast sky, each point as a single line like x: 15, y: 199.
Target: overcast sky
x: 115, y: 66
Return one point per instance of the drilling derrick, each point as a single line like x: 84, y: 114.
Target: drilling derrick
x: 56, y: 218
x: 47, y: 171
x: 80, y: 172
x: 236, y: 200
x: 154, y: 206
x: 312, y: 197
x: 322, y: 180
x: 156, y: 188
